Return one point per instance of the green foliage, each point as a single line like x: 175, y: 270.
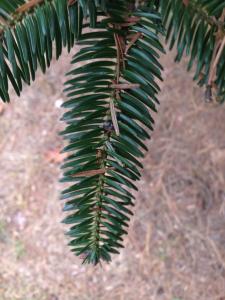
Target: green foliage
x: 29, y: 42
x: 111, y: 92
x: 100, y: 201
x: 195, y: 30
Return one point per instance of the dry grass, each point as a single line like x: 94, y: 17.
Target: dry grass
x: 175, y: 249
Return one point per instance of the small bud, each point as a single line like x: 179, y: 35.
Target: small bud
x: 108, y: 126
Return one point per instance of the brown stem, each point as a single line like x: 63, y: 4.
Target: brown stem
x: 125, y: 86
x: 92, y: 172
x: 133, y: 41
x: 28, y: 6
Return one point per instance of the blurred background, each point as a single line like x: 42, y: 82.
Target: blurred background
x: 175, y: 249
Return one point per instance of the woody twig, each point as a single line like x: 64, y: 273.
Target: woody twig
x: 122, y: 49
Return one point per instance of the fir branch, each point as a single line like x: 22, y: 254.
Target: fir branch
x: 108, y: 103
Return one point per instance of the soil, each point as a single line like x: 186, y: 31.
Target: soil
x: 175, y: 249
